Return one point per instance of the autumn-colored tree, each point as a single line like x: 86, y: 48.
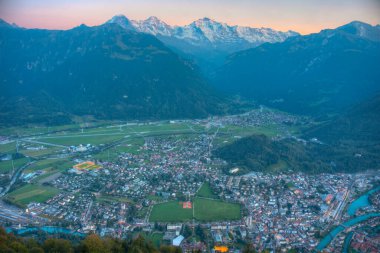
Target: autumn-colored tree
x: 53, y: 245
x: 94, y: 244
x: 249, y: 249
x: 170, y: 249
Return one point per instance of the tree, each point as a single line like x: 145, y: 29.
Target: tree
x: 140, y: 245
x: 113, y: 245
x: 19, y: 247
x: 170, y: 249
x: 36, y: 250
x: 249, y: 249
x: 187, y: 231
x: 57, y: 246
x: 93, y: 244
x: 200, y: 232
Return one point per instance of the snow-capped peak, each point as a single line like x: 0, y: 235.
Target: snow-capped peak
x: 362, y: 29
x: 205, y: 30
x: 122, y: 21
x: 153, y: 25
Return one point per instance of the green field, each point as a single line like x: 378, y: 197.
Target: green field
x: 205, y: 210
x: 8, y: 148
x: 206, y: 191
x: 32, y: 193
x: 6, y: 166
x: 229, y: 134
x: 59, y: 164
x: 171, y: 211
x: 38, y: 153
x: 214, y: 210
x: 70, y: 140
x: 103, y: 135
x: 107, y: 198
x: 49, y: 167
x: 130, y: 145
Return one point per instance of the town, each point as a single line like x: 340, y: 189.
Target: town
x: 163, y: 181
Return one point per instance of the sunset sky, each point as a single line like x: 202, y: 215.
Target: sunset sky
x: 304, y: 16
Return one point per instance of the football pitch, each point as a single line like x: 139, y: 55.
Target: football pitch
x: 202, y: 210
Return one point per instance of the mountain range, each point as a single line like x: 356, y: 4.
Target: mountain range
x: 128, y: 70
x: 314, y: 74
x: 206, y: 32
x: 205, y: 41
x: 105, y: 71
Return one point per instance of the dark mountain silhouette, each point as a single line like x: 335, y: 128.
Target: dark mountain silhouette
x: 106, y: 71
x: 313, y: 74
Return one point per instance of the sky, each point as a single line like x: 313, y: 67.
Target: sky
x: 304, y: 16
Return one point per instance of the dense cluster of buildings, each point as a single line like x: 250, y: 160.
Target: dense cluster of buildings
x: 280, y: 211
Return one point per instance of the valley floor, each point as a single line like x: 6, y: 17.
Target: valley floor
x: 160, y: 179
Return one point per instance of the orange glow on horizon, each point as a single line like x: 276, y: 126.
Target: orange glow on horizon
x: 300, y: 16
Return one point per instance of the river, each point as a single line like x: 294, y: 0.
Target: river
x: 47, y: 229
x: 360, y: 202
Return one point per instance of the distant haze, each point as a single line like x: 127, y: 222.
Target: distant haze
x: 304, y: 16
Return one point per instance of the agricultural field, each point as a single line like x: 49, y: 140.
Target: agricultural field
x: 130, y: 145
x: 48, y: 163
x: 50, y: 167
x: 8, y: 147
x: 32, y: 193
x: 6, y: 166
x: 39, y: 153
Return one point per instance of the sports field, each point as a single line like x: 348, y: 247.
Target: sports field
x: 203, y: 210
x: 32, y: 193
x: 215, y: 210
x: 171, y: 211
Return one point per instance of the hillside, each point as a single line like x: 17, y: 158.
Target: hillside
x: 260, y: 153
x: 105, y: 72
x: 314, y: 74
x: 346, y: 143
x: 361, y: 123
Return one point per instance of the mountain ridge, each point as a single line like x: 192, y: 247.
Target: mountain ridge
x: 203, y: 29
x: 204, y: 41
x: 314, y: 74
x: 104, y: 71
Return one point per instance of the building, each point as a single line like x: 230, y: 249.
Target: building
x: 177, y: 241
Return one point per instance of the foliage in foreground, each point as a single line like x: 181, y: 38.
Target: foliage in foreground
x: 9, y: 243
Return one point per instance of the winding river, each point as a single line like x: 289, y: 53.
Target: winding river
x: 47, y: 229
x: 360, y: 202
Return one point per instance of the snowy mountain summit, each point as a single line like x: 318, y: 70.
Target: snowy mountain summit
x: 206, y: 32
